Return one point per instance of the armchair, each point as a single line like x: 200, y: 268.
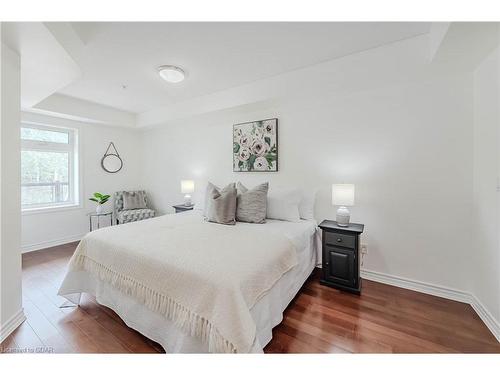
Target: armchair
x: 123, y: 216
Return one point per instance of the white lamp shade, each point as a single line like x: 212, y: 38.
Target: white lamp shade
x: 343, y: 194
x: 187, y: 186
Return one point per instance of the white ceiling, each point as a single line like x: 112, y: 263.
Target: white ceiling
x: 46, y: 66
x: 216, y: 56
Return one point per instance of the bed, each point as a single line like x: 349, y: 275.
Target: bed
x: 194, y: 286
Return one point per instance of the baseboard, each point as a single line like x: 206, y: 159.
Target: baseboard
x: 418, y: 286
x: 439, y: 291
x: 46, y: 244
x: 488, y: 319
x: 11, y: 325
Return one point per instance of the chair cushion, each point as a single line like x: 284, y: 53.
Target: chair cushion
x: 118, y: 204
x: 127, y: 216
x: 133, y: 200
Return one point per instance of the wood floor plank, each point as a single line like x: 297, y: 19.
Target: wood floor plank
x: 26, y: 339
x: 384, y: 319
x: 67, y: 328
x: 434, y: 328
x: 105, y: 341
x: 99, y: 339
x: 345, y: 339
x: 284, y: 343
x: 8, y: 345
x: 43, y: 290
x: 343, y: 325
x: 127, y: 336
x: 48, y: 334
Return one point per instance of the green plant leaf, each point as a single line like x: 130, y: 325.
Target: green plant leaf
x: 93, y: 200
x: 270, y: 156
x: 236, y: 148
x: 106, y: 196
x: 268, y: 140
x: 250, y: 162
x: 98, y: 195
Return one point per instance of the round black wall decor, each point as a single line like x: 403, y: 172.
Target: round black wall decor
x: 111, y: 162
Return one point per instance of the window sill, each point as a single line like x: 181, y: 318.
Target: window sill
x: 46, y: 210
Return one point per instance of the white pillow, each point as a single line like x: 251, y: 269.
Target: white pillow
x: 283, y: 204
x: 199, y: 200
x: 306, y: 206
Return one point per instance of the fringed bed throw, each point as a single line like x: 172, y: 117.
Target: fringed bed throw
x: 203, y: 277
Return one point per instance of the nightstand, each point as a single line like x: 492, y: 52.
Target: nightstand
x: 91, y: 215
x: 182, y: 207
x: 341, y: 263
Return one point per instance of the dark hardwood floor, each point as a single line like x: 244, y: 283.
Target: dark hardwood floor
x: 384, y: 319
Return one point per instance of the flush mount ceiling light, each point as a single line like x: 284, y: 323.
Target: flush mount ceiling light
x: 171, y: 73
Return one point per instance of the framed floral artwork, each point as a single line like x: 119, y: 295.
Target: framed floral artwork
x: 255, y: 146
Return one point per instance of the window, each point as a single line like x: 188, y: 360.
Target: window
x: 49, y: 167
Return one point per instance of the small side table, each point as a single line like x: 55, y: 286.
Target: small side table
x: 95, y: 214
x: 341, y: 263
x: 182, y: 207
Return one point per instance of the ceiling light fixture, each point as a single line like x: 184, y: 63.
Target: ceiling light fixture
x: 171, y: 73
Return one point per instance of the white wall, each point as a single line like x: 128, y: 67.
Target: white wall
x: 10, y: 202
x: 406, y: 147
x: 40, y: 230
x: 485, y: 254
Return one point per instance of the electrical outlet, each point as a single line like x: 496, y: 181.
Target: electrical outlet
x: 364, y: 248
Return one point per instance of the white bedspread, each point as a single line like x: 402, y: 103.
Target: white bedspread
x: 204, y: 277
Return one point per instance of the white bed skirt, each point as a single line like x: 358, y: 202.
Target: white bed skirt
x: 267, y: 312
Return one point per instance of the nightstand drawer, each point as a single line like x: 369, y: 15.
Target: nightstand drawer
x: 338, y: 239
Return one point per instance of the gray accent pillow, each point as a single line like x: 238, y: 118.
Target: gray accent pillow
x: 133, y: 200
x: 221, y: 204
x: 251, y: 205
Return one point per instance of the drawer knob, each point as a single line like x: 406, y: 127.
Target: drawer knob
x: 339, y: 239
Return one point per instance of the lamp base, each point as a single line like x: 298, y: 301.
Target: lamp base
x: 187, y: 200
x: 343, y: 216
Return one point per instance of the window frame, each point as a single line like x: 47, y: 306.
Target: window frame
x: 72, y: 148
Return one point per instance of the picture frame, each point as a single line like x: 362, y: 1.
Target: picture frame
x: 255, y: 146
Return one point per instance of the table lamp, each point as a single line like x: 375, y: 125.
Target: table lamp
x: 343, y: 195
x: 187, y: 187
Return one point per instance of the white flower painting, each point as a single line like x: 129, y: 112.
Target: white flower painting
x: 255, y: 146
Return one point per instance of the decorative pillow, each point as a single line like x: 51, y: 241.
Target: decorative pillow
x: 251, y: 205
x: 283, y: 204
x: 133, y: 200
x: 306, y: 206
x: 205, y: 199
x: 222, y: 204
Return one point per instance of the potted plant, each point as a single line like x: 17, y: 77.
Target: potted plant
x: 100, y: 199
